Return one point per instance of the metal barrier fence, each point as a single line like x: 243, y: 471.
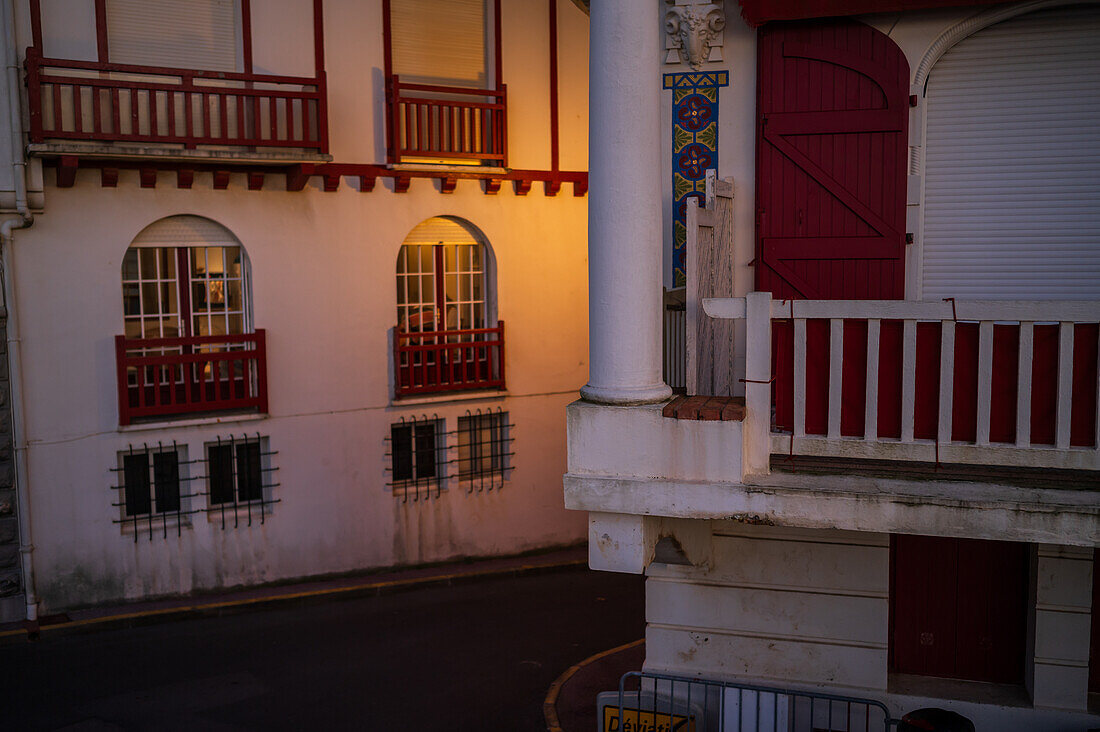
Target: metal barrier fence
x: 665, y: 703
x: 675, y: 342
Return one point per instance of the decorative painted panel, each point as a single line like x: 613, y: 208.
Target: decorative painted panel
x: 694, y: 148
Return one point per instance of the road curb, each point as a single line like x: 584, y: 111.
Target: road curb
x: 549, y: 704
x: 216, y: 607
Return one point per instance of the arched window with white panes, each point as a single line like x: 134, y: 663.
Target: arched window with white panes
x: 447, y: 338
x: 189, y: 344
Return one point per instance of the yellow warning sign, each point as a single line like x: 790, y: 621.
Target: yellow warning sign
x: 635, y: 721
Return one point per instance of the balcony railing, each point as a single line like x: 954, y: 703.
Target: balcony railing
x: 86, y: 100
x: 444, y: 122
x: 1009, y: 383
x: 163, y: 377
x: 448, y: 360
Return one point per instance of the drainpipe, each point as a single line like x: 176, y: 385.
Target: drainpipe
x: 22, y: 220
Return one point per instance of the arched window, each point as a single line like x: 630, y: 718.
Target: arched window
x: 185, y: 276
x: 188, y: 343
x: 445, y: 297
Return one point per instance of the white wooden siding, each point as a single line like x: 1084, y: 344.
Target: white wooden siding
x: 1012, y: 168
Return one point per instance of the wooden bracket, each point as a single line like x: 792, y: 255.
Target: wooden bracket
x: 221, y: 180
x: 332, y: 182
x: 522, y: 186
x: 366, y: 183
x: 401, y: 183
x: 148, y: 177
x: 447, y: 184
x: 185, y: 177
x: 580, y: 188
x: 551, y: 187
x: 255, y: 181
x: 297, y: 178
x: 108, y: 177
x: 491, y: 186
x: 66, y: 171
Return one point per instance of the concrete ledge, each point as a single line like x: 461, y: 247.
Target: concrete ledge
x: 854, y: 503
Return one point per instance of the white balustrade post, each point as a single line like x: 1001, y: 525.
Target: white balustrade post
x: 624, y: 205
x: 758, y: 388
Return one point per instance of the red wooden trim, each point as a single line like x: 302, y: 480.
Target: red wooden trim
x: 36, y: 24
x: 554, y: 85
x: 424, y: 368
x: 387, y: 43
x: 758, y: 12
x: 169, y: 71
x: 101, y: 30
x: 318, y: 38
x: 121, y: 385
x: 246, y: 35
x: 498, y: 71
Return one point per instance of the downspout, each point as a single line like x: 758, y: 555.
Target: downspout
x: 22, y: 220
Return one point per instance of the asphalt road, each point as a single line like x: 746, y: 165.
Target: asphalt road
x: 477, y: 656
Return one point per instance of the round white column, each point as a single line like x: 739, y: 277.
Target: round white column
x: 624, y: 204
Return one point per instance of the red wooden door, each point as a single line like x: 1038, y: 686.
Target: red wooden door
x: 959, y: 608
x: 830, y: 183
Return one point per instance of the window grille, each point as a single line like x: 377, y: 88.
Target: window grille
x: 152, y: 488
x: 237, y: 479
x: 419, y: 448
x: 484, y: 449
x: 418, y: 457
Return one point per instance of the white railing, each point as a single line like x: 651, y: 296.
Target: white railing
x: 759, y: 310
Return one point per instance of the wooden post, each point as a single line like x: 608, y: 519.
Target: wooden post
x: 758, y: 387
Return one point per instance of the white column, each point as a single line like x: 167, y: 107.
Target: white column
x: 624, y: 204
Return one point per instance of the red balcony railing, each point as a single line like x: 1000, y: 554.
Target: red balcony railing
x: 87, y: 100
x: 427, y: 121
x: 160, y: 377
x: 448, y: 360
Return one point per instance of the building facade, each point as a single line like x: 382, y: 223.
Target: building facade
x: 880, y: 477
x: 302, y: 292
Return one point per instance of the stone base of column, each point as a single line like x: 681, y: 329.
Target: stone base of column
x: 625, y: 395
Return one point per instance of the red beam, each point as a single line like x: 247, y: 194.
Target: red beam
x: 553, y: 85
x: 101, y: 30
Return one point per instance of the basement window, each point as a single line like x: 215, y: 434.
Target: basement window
x: 152, y: 489
x: 417, y: 455
x: 237, y: 483
x: 484, y: 449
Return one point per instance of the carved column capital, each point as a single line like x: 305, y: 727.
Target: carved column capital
x: 693, y: 31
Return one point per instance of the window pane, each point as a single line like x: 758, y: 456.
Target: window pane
x: 150, y: 299
x: 131, y: 300
x: 198, y: 262
x: 201, y: 325
x: 135, y: 473
x: 236, y: 324
x: 198, y: 297
x: 219, y: 468
x: 167, y: 263
x: 130, y: 264
x: 214, y: 264
x: 249, y: 476
x: 401, y: 452
x: 168, y: 300
x: 152, y: 328
x: 170, y: 329
x: 425, y: 451
x: 166, y: 481
x: 449, y: 257
x: 148, y: 263
x: 216, y: 299
x: 133, y: 328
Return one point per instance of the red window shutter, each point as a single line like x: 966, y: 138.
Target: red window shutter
x: 831, y: 162
x: 832, y: 136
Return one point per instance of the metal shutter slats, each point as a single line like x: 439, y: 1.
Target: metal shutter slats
x: 439, y: 41
x: 182, y: 34
x: 1012, y: 171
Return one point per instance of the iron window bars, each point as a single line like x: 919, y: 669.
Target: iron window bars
x: 149, y: 484
x: 419, y: 448
x: 484, y: 449
x: 237, y: 470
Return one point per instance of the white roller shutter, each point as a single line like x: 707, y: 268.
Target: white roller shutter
x: 439, y: 41
x: 182, y: 34
x: 1012, y: 171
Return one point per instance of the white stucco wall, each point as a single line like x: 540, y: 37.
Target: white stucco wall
x: 323, y: 287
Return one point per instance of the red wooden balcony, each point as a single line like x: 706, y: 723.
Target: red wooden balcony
x: 164, y: 377
x: 92, y: 101
x: 444, y: 122
x: 448, y: 360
